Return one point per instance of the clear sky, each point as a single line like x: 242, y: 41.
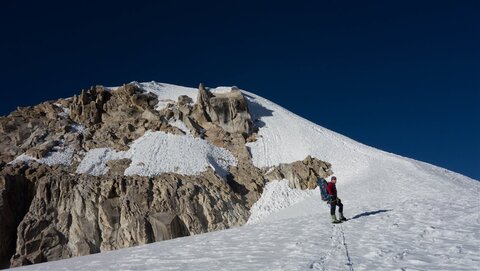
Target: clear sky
x: 401, y: 76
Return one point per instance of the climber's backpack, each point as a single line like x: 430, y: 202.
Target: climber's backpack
x: 322, y: 184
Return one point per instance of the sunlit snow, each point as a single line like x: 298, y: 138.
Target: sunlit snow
x: 55, y: 157
x: 404, y: 214
x: 158, y: 152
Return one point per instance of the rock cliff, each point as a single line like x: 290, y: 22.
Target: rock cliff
x: 49, y: 211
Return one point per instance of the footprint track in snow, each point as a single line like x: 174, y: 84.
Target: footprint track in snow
x: 337, y: 256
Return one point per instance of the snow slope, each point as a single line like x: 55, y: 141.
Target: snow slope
x: 57, y: 156
x: 158, y: 152
x: 405, y: 214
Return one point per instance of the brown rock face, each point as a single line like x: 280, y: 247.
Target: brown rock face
x: 15, y: 197
x: 228, y: 110
x: 41, y: 150
x: 300, y: 174
x: 115, y: 118
x: 73, y: 215
x: 30, y: 127
x: 87, y: 108
x: 51, y: 212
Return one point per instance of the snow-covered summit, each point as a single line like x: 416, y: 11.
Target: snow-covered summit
x: 285, y: 137
x: 405, y: 214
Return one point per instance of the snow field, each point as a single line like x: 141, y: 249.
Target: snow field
x: 95, y: 161
x: 167, y: 93
x: 57, y: 156
x: 157, y: 152
x: 382, y: 239
x: 277, y: 195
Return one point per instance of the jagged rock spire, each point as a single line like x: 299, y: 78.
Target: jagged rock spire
x: 228, y: 110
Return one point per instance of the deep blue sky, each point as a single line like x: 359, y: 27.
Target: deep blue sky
x: 402, y: 76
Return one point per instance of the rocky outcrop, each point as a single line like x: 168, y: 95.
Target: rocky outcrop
x: 73, y: 215
x: 29, y: 127
x: 228, y: 110
x: 15, y: 198
x: 41, y: 150
x: 300, y: 174
x: 95, y: 118
x: 114, y: 118
x: 87, y: 108
x: 51, y: 212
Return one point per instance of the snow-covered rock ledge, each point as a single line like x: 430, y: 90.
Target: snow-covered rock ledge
x: 155, y: 153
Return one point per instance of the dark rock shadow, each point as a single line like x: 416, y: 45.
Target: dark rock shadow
x: 371, y: 213
x: 257, y: 111
x: 235, y: 186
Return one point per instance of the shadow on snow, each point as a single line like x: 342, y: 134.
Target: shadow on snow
x: 371, y: 213
x: 257, y: 111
